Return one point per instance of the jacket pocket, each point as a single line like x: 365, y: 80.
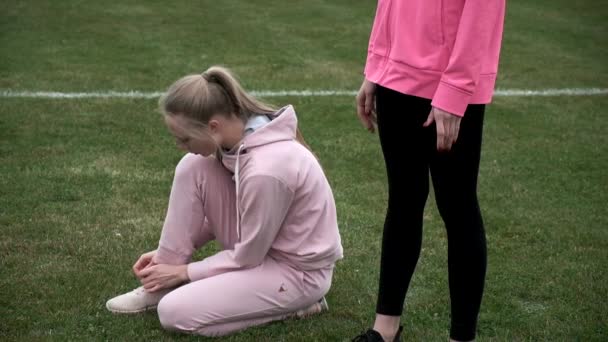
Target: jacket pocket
x: 418, y: 33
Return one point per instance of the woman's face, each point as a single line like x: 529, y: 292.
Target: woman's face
x: 202, y: 143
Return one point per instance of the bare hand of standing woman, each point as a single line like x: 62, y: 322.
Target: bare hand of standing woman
x: 366, y: 105
x: 163, y: 276
x: 448, y: 126
x: 145, y: 260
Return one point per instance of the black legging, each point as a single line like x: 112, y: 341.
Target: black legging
x: 410, y: 152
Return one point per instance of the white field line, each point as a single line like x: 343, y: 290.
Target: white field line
x: 135, y: 94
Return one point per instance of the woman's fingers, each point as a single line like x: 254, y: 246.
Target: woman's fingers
x: 144, y: 273
x: 362, y: 109
x: 155, y: 288
x: 150, y: 285
x: 366, y: 110
x: 448, y: 128
x: 145, y: 260
x: 139, y: 265
x: 441, y: 135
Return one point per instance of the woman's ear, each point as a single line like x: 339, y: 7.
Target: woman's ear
x: 214, y: 126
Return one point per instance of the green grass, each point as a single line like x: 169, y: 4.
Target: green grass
x: 84, y: 183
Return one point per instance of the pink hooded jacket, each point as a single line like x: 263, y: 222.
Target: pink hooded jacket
x: 285, y: 206
x: 444, y: 50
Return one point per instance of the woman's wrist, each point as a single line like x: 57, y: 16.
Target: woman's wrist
x: 183, y: 273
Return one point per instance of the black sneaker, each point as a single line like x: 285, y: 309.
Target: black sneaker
x: 374, y: 336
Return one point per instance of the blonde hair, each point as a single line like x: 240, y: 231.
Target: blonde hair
x: 216, y: 91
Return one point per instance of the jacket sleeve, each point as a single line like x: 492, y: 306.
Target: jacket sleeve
x: 459, y: 79
x: 264, y: 202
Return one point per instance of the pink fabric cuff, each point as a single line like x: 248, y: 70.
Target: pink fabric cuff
x: 451, y: 99
x: 197, y: 270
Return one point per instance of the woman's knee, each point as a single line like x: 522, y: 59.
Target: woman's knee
x: 188, y: 165
x: 167, y: 313
x: 195, y: 169
x: 457, y: 207
x: 173, y: 315
x: 177, y: 314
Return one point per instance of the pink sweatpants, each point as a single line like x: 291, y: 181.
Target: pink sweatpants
x: 202, y: 208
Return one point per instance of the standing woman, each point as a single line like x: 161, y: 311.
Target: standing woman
x: 251, y: 183
x: 431, y: 68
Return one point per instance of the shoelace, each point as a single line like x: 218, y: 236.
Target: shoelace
x: 139, y: 291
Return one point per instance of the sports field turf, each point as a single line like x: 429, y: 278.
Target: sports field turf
x: 84, y: 183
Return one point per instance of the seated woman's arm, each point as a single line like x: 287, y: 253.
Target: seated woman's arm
x: 264, y: 203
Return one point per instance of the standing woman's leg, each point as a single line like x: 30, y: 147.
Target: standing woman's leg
x: 454, y: 176
x: 405, y: 145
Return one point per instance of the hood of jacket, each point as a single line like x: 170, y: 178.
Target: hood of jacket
x: 282, y: 127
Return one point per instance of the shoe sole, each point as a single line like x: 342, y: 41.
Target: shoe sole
x: 323, y: 307
x: 117, y: 311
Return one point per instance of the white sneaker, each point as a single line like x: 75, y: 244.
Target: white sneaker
x: 314, y: 309
x: 138, y: 300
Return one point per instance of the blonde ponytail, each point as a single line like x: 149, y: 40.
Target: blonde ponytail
x: 300, y: 139
x: 245, y: 105
x: 216, y: 91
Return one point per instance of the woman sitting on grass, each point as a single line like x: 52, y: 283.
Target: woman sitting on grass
x: 251, y: 183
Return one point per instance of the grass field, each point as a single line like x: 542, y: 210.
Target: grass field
x: 84, y: 183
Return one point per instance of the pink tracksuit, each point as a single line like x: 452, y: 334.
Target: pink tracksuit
x: 444, y: 50
x: 272, y: 210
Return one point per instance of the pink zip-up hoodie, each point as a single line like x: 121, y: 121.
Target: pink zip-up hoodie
x: 285, y: 206
x: 444, y: 50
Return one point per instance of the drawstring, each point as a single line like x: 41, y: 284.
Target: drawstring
x: 237, y: 181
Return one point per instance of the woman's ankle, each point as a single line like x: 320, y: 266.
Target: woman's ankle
x: 387, y: 326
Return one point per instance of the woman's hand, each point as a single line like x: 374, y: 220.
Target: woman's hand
x: 366, y: 105
x: 448, y: 126
x: 163, y: 276
x: 145, y: 260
